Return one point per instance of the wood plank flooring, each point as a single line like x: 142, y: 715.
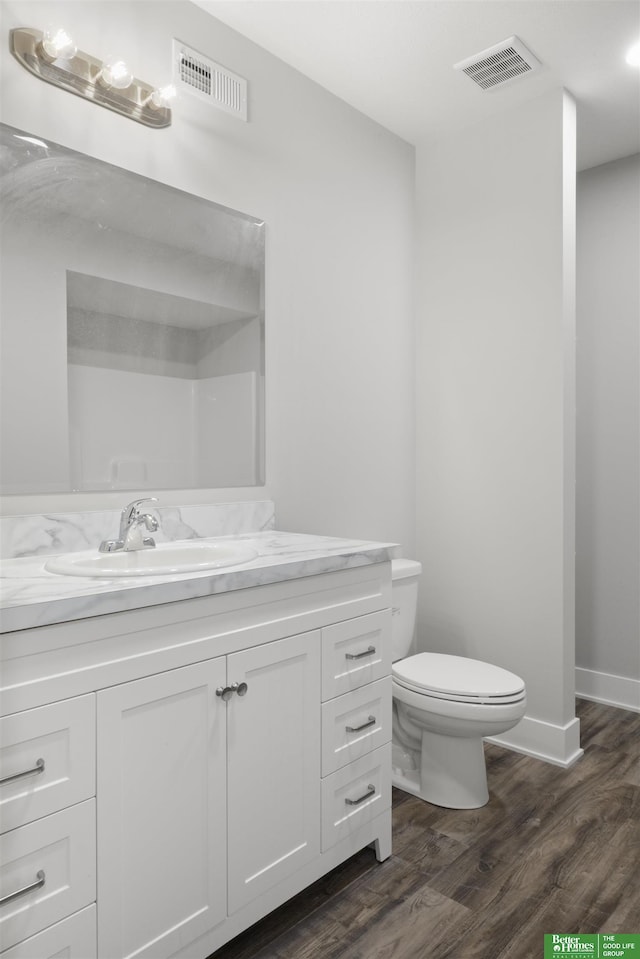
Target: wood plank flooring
x: 554, y: 850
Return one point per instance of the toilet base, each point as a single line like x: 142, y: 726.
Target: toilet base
x: 452, y: 773
x: 406, y: 780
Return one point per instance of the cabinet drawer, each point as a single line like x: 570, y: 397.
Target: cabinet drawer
x: 354, y: 724
x: 355, y: 795
x: 73, y: 938
x: 355, y: 652
x: 47, y: 760
x: 61, y: 850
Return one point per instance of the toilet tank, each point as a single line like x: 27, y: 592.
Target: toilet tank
x: 404, y: 600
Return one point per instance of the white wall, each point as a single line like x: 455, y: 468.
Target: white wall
x: 336, y: 192
x: 495, y: 413
x: 608, y: 437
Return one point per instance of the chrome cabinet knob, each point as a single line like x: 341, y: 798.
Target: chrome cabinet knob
x: 226, y: 692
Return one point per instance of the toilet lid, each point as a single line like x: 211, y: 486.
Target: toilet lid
x: 458, y: 678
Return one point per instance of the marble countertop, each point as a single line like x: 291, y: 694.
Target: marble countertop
x: 31, y: 596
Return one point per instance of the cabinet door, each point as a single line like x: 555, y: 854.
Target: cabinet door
x: 273, y: 745
x: 161, y: 811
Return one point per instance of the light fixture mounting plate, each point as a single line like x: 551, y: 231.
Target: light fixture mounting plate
x: 79, y: 75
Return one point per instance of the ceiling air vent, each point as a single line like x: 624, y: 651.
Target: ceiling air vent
x: 196, y: 74
x: 499, y: 64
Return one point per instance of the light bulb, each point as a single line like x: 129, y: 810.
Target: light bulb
x: 115, y: 73
x: 58, y: 44
x: 633, y: 55
x: 161, y: 97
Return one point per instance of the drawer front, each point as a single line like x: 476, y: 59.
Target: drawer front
x: 354, y: 724
x: 355, y: 653
x: 47, y: 871
x: 355, y: 795
x: 47, y: 760
x: 73, y: 938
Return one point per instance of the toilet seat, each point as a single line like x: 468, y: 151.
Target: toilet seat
x: 458, y: 679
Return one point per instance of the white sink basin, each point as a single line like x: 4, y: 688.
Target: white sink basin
x: 162, y: 560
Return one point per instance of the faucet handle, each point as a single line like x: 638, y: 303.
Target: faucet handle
x: 131, y: 511
x: 132, y: 508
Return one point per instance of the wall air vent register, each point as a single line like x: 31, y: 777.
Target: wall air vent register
x: 209, y: 81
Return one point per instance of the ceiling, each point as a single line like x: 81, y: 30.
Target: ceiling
x: 393, y: 59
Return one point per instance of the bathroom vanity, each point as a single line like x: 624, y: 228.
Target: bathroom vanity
x: 180, y: 755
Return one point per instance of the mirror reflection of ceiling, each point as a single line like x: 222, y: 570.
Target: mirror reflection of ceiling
x: 115, y: 198
x: 98, y: 295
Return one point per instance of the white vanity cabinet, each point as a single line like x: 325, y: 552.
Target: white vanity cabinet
x: 47, y: 826
x: 241, y: 751
x: 161, y: 824
x: 200, y: 795
x: 356, y: 724
x: 273, y: 750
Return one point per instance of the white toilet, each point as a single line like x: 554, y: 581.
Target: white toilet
x: 443, y: 706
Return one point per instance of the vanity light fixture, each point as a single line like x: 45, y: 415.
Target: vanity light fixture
x: 161, y: 97
x: 633, y: 55
x: 115, y: 73
x: 53, y: 56
x: 57, y: 44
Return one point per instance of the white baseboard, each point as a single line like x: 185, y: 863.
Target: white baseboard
x: 559, y: 745
x: 608, y: 689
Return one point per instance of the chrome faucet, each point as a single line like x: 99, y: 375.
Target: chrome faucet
x: 131, y: 536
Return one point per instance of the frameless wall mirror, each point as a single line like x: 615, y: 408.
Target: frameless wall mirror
x: 131, y: 329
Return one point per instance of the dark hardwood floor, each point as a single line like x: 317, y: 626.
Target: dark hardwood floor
x: 554, y: 850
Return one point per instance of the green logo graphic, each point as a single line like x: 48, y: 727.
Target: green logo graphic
x: 592, y: 946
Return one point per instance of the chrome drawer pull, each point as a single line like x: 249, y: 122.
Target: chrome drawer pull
x: 356, y: 729
x: 25, y: 889
x: 371, y: 791
x: 38, y: 768
x: 368, y: 652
